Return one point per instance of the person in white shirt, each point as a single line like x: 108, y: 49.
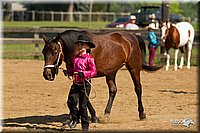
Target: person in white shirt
x: 131, y: 25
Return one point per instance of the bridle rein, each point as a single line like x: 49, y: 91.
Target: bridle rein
x: 56, y: 66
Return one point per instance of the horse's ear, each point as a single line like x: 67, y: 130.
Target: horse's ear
x: 45, y: 38
x: 168, y: 24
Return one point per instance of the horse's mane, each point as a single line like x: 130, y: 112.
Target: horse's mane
x: 69, y: 37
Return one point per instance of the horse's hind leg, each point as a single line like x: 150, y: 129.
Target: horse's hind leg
x: 110, y: 80
x: 94, y: 118
x: 135, y: 74
x: 189, y: 49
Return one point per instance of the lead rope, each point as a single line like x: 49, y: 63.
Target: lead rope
x: 91, y: 89
x: 85, y: 87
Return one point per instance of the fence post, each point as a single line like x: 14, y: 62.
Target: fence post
x: 37, y: 49
x: 52, y: 16
x: 61, y: 16
x: 36, y: 37
x: 12, y: 12
x: 33, y: 15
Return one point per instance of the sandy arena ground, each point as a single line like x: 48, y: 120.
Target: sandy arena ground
x: 32, y: 104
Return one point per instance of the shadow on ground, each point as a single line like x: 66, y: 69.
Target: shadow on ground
x: 46, y: 122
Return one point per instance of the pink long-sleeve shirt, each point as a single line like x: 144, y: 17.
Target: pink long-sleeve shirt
x: 83, y: 63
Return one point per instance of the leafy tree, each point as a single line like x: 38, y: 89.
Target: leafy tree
x: 49, y: 6
x: 175, y: 7
x: 190, y: 9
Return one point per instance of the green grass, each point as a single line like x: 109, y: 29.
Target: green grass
x: 19, y: 48
x: 59, y: 24
x: 21, y: 51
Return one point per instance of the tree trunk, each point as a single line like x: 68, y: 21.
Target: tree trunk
x: 8, y: 14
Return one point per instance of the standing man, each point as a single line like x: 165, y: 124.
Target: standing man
x: 131, y: 25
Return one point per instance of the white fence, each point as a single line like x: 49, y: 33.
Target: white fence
x: 60, y: 16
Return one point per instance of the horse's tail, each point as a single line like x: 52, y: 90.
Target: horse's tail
x: 143, y: 48
x: 151, y: 68
x: 144, y: 63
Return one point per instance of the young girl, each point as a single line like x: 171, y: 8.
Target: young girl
x: 84, y: 69
x: 153, y: 43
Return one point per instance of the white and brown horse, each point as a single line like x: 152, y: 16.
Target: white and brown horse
x: 177, y: 36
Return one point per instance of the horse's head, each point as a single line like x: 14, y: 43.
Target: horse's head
x: 53, y: 57
x: 164, y: 32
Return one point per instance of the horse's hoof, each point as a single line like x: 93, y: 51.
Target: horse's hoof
x: 94, y: 119
x: 104, y: 118
x: 188, y: 67
x: 142, y: 116
x: 67, y: 122
x: 175, y: 69
x: 180, y: 67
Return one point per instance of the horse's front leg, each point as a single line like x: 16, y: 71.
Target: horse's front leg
x: 167, y: 63
x: 110, y: 80
x: 182, y: 58
x: 175, y: 60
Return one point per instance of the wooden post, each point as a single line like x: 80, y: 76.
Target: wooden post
x: 70, y: 10
x: 165, y: 17
x: 90, y: 14
x: 37, y: 51
x: 36, y: 37
x: 33, y: 15
x: 165, y: 10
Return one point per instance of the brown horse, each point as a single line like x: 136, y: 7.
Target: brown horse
x: 113, y: 50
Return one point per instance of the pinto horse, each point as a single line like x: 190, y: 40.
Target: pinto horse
x: 113, y: 50
x: 177, y: 36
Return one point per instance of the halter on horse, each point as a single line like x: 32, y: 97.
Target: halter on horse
x: 177, y: 36
x: 113, y: 50
x: 52, y: 59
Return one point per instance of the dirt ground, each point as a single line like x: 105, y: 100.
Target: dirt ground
x: 32, y: 104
